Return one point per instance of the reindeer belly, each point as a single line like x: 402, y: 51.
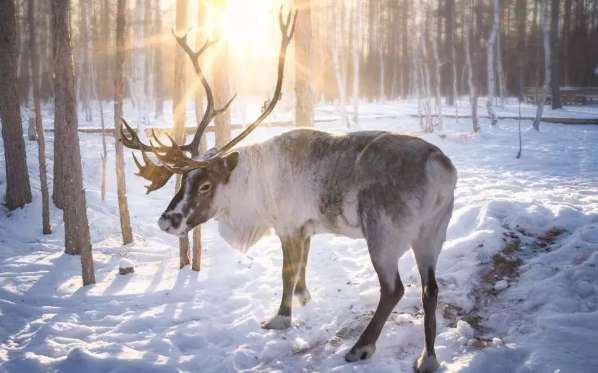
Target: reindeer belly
x: 338, y: 214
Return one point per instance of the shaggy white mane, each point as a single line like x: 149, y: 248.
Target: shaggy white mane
x: 241, y: 203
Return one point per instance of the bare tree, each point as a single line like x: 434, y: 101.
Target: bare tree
x: 18, y: 190
x: 521, y: 16
x: 491, y: 60
x: 139, y: 65
x: 437, y: 74
x: 179, y: 105
x: 121, y: 186
x: 77, y: 238
x: 469, y: 54
x: 41, y: 142
x: 85, y: 76
x: 356, y: 57
x: 450, y: 50
x: 340, y: 76
x: 304, y: 108
x: 222, y: 94
x: 545, y: 24
x: 555, y: 54
x: 158, y: 80
x: 95, y: 77
x: 500, y: 73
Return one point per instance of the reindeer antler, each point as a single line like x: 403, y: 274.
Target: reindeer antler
x: 210, y: 113
x: 173, y: 157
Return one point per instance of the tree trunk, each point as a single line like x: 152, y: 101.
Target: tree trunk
x: 304, y: 107
x: 77, y: 238
x: 555, y: 53
x: 545, y: 24
x: 18, y: 190
x: 339, y: 74
x: 179, y: 106
x: 147, y: 53
x: 97, y: 45
x: 490, y: 49
x: 450, y: 51
x: 41, y: 142
x: 24, y: 56
x: 58, y: 180
x: 499, y: 66
x: 158, y: 82
x: 356, y: 58
x: 438, y: 86
x: 222, y: 95
x: 521, y: 44
x: 84, y: 67
x: 139, y: 66
x: 405, y: 50
x: 469, y: 54
x: 121, y: 186
x: 566, y: 42
x: 201, y: 36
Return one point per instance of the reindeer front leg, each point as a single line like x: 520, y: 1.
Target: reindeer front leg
x: 291, y: 263
x: 301, y: 291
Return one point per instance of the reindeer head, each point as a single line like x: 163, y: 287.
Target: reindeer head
x: 202, y: 177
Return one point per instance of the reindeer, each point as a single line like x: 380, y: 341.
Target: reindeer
x: 393, y: 190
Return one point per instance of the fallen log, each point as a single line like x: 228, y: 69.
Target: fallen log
x: 557, y: 120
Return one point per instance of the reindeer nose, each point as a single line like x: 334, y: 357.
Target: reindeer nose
x: 170, y: 220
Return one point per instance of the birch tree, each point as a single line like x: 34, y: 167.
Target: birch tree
x: 356, y: 57
x: 179, y: 105
x: 18, y: 189
x: 139, y: 64
x: 121, y: 185
x: 555, y: 49
x: 340, y: 76
x: 41, y: 141
x: 545, y: 25
x: 85, y: 76
x: 471, y: 80
x: 77, y: 238
x: 158, y: 82
x: 304, y: 106
x: 490, y: 52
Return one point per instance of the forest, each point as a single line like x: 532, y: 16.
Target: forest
x: 155, y: 160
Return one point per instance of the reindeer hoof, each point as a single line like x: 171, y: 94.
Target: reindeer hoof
x: 278, y: 323
x: 360, y: 353
x: 425, y: 364
x: 304, y: 297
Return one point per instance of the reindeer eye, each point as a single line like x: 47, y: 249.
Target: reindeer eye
x: 205, y: 187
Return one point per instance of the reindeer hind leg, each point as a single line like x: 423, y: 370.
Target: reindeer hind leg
x: 385, y: 252
x: 426, y: 249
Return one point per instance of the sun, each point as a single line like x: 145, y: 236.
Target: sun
x: 249, y: 27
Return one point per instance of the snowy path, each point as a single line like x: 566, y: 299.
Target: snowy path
x: 163, y: 319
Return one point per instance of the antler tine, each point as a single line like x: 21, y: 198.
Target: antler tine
x: 210, y: 112
x: 177, y: 162
x: 225, y: 107
x: 134, y: 142
x: 287, y: 29
x: 155, y: 137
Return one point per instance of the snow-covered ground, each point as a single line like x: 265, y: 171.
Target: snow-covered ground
x: 518, y: 275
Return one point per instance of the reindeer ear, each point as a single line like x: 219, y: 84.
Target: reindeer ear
x: 231, y: 160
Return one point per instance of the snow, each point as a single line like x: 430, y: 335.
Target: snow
x: 530, y: 224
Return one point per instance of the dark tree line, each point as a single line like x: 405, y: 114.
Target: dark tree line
x: 387, y: 45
